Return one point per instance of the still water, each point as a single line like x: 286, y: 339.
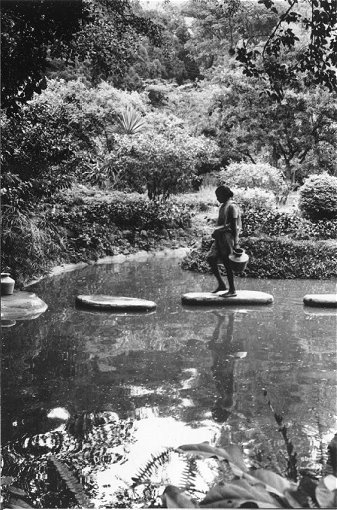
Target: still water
x: 181, y: 374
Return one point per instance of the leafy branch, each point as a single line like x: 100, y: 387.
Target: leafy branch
x: 281, y: 64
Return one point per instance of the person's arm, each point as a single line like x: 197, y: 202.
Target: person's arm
x: 234, y: 221
x: 235, y: 228
x: 220, y: 227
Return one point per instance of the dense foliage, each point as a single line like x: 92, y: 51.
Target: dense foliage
x: 37, y: 35
x: 277, y: 257
x: 250, y: 175
x: 275, y: 223
x: 318, y: 197
x: 160, y: 164
x: 256, y: 198
x: 251, y: 488
x: 29, y: 30
x: 297, y: 135
x: 285, y: 57
x: 75, y: 230
x: 159, y: 110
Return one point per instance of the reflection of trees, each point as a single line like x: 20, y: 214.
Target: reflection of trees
x: 179, y: 361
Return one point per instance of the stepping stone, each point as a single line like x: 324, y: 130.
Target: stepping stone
x: 244, y: 297
x: 21, y: 305
x: 321, y: 300
x: 117, y: 303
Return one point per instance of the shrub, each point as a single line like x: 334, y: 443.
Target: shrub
x: 81, y: 229
x: 62, y: 131
x: 322, y: 229
x: 318, y: 197
x: 289, y: 259
x: 277, y: 258
x: 256, y: 198
x: 268, y: 222
x: 163, y: 165
x: 125, y: 212
x: 29, y: 243
x: 249, y: 175
x: 157, y: 95
x: 276, y: 223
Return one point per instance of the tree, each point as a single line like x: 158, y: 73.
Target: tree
x: 173, y: 59
x: 31, y: 31
x: 287, y: 57
x: 34, y: 32
x: 288, y: 134
x: 217, y: 27
x: 109, y: 42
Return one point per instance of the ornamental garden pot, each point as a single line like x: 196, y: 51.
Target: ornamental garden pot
x: 7, y: 284
x: 238, y: 260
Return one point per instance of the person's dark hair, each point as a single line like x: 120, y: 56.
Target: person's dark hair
x: 224, y: 191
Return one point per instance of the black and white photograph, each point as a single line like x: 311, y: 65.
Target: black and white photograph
x: 168, y: 254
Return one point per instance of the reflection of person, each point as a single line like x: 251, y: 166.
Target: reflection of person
x: 226, y: 238
x: 223, y: 350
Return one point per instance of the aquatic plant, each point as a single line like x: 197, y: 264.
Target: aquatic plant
x: 255, y: 488
x: 292, y: 471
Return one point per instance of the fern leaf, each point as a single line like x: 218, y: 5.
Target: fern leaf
x: 189, y: 475
x: 332, y: 456
x: 71, y: 482
x: 151, y: 466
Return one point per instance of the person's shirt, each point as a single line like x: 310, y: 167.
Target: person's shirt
x: 227, y: 213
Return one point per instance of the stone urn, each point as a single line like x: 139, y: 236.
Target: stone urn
x: 238, y: 260
x: 7, y: 284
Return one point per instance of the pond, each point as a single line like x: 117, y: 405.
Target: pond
x: 177, y: 375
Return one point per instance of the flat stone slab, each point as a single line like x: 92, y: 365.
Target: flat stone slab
x: 21, y: 306
x: 117, y: 303
x: 244, y: 297
x: 321, y: 300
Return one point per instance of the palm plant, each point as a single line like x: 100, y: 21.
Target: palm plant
x: 128, y: 122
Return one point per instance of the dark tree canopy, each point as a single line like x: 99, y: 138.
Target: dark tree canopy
x: 30, y: 30
x: 282, y: 61
x: 35, y: 31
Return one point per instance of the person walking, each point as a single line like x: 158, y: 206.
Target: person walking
x: 226, y: 239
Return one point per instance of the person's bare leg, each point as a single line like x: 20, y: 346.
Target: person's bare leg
x: 230, y: 278
x: 215, y: 270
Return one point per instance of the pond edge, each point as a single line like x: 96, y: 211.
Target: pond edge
x: 113, y: 259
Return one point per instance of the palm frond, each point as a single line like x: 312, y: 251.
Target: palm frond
x: 129, y: 122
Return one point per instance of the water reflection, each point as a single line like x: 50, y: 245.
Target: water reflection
x: 224, y: 348
x: 179, y: 370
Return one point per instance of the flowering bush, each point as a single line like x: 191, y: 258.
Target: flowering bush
x: 249, y: 175
x: 318, y: 197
